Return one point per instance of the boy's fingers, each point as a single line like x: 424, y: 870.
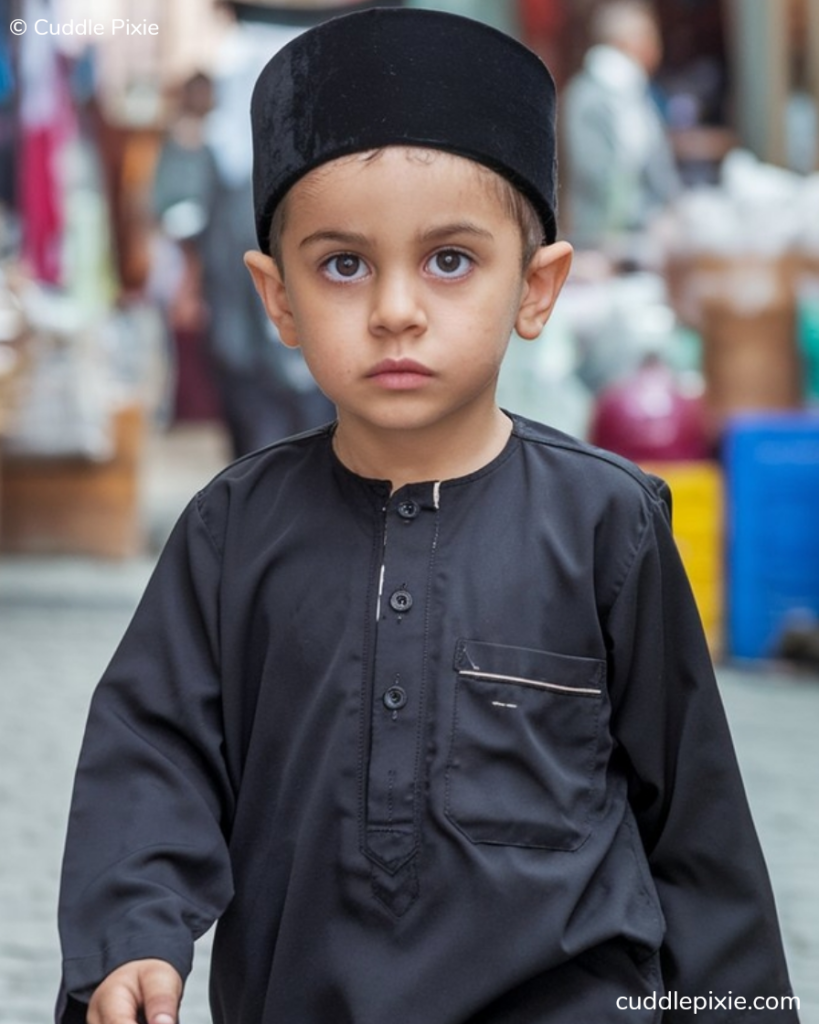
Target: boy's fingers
x: 144, y: 990
x: 113, y: 1005
x: 161, y: 992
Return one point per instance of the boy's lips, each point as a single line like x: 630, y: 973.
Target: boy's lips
x: 399, y: 374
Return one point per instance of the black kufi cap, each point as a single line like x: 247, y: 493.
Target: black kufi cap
x: 386, y: 77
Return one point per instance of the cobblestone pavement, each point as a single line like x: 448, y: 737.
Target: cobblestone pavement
x: 60, y: 620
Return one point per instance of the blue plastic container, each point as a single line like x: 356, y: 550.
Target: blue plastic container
x: 772, y: 527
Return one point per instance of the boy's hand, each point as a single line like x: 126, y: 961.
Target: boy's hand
x: 148, y: 990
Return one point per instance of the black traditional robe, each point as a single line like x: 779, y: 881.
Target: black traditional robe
x: 454, y: 754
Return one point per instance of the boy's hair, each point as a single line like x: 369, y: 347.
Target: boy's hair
x: 404, y: 77
x: 514, y: 202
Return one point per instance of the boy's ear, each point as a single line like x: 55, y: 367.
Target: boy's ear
x: 270, y: 285
x: 542, y: 281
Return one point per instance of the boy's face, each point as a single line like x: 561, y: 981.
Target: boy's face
x: 402, y: 285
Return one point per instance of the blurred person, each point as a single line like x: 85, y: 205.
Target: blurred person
x: 417, y: 704
x: 203, y: 198
x: 174, y: 276
x: 174, y: 282
x: 619, y: 165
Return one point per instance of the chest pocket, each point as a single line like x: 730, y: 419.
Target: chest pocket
x: 524, y: 749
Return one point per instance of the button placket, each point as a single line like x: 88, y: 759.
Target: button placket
x: 393, y: 787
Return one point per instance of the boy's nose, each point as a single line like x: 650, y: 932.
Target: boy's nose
x: 397, y: 306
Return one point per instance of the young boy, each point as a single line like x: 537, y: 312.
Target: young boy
x: 418, y: 704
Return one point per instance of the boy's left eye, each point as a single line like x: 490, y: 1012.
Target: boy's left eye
x: 449, y: 263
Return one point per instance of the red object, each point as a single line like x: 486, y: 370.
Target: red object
x: 647, y: 417
x: 542, y: 16
x: 47, y: 124
x: 41, y: 202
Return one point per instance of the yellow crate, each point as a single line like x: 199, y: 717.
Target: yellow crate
x: 698, y: 508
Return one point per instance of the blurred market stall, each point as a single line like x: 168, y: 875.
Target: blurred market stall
x: 664, y: 340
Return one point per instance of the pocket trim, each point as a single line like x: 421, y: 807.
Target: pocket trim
x: 584, y: 691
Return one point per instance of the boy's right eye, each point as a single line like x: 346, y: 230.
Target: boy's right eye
x: 344, y: 267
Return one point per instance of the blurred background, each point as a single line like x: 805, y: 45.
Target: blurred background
x: 135, y: 361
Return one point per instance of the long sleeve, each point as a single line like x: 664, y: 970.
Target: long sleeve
x: 687, y: 794
x: 146, y: 867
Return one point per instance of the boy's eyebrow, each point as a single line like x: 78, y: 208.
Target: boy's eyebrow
x: 461, y: 227
x: 340, y: 237
x: 435, y: 234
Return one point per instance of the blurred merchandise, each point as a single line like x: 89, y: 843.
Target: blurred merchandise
x: 73, y: 434
x: 649, y: 415
x: 697, y: 492
x: 771, y: 464
x: 66, y: 406
x: 617, y: 321
x: 83, y: 369
x: 94, y: 364
x: 14, y: 355
x: 73, y: 505
x: 750, y: 357
x: 807, y: 315
x: 87, y: 268
x: 131, y: 59
x: 755, y: 210
x: 46, y: 124
x: 738, y: 256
